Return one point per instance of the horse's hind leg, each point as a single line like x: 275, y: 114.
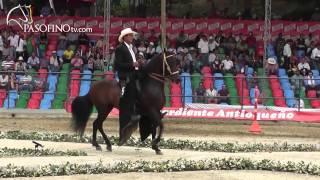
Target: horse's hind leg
x: 94, y: 134
x: 104, y: 114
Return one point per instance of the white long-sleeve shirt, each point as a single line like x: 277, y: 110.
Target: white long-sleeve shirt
x: 287, y: 51
x: 315, y: 53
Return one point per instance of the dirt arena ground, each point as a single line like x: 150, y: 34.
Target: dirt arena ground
x: 221, y: 131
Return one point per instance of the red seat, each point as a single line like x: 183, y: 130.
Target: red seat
x: 36, y: 95
x: 33, y: 104
x: 1, y: 102
x: 280, y: 102
x: 109, y: 75
x: 75, y: 74
x: 3, y: 94
x: 312, y: 94
x: 244, y: 101
x: 206, y: 69
x: 43, y: 73
x: 49, y: 53
x: 52, y: 47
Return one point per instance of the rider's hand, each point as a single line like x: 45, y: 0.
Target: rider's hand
x: 135, y: 64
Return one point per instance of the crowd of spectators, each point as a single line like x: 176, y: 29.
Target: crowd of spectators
x: 22, y: 55
x: 223, y: 53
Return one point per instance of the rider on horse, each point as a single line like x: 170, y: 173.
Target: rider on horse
x: 128, y: 67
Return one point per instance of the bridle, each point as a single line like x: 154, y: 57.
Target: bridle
x: 165, y: 66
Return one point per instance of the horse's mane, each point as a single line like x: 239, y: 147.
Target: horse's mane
x: 154, y: 64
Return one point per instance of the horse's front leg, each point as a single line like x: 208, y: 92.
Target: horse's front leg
x: 157, y: 124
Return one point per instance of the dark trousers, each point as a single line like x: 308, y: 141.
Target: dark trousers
x: 127, y: 102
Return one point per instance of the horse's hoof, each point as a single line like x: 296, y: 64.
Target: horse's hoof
x: 98, y: 148
x: 109, y: 148
x: 158, y: 152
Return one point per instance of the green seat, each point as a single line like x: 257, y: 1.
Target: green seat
x: 57, y: 104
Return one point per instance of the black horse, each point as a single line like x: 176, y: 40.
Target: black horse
x: 105, y: 95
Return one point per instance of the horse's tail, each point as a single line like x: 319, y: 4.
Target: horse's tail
x: 81, y: 110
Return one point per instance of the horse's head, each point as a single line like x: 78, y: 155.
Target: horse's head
x: 24, y: 11
x: 170, y: 66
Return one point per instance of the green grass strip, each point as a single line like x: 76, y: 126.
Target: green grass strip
x: 11, y: 171
x: 168, y: 143
x: 13, y: 152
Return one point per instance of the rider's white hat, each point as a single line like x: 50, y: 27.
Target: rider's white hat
x: 125, y: 32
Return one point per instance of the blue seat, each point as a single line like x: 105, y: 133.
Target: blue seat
x: 9, y: 103
x: 282, y: 72
x: 49, y: 95
x: 52, y: 87
x: 13, y: 94
x: 286, y: 86
x: 84, y: 89
x: 288, y: 93
x: 315, y: 72
x: 249, y: 71
x: 45, y: 104
x: 60, y: 53
x: 291, y: 103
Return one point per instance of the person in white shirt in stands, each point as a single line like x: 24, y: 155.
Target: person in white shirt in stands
x: 212, y: 57
x: 303, y: 65
x: 213, y: 44
x: 8, y: 64
x: 315, y: 56
x: 13, y: 43
x: 203, y: 46
x: 20, y: 47
x: 4, y: 81
x: 211, y: 94
x: 287, y: 53
x: 227, y: 65
x: 1, y: 46
x: 310, y: 83
x: 33, y: 61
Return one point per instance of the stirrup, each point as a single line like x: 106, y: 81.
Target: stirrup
x: 122, y: 91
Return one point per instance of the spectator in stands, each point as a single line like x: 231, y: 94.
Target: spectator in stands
x: 182, y: 39
x: 203, y: 46
x: 200, y: 93
x: 153, y: 37
x: 242, y: 47
x: 304, y: 65
x: 251, y: 41
x: 25, y: 82
x: 272, y: 67
x: 310, y: 83
x: 212, y: 57
x: 308, y: 40
x: 299, y: 103
x: 1, y: 46
x: 8, y: 64
x: 33, y: 62
x: 100, y: 43
x: 211, y: 95
x: 13, y: 43
x: 213, y: 44
x: 227, y: 65
x: 5, y: 51
x: 83, y: 39
x: 280, y: 42
x: 315, y: 56
x: 38, y: 84
x: 98, y: 62
x: 21, y: 46
x: 13, y: 82
x: 142, y: 48
x: 4, y: 81
x: 224, y: 95
x: 20, y: 65
x: 77, y: 62
x: 287, y: 53
x: 45, y: 10
x: 67, y: 55
x: 141, y: 39
x: 62, y: 43
x: 150, y: 50
x: 110, y: 58
x: 90, y: 65
x: 72, y: 38
x: 55, y: 62
x: 31, y: 44
x: 216, y: 66
x: 192, y: 57
x: 252, y: 80
x: 301, y: 46
x: 296, y: 82
x: 43, y: 41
